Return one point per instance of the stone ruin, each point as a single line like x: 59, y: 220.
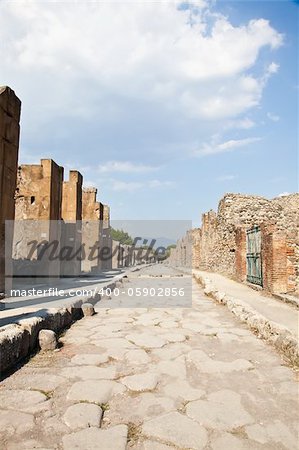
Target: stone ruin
x: 220, y: 245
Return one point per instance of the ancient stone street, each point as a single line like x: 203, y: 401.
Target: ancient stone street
x: 153, y: 379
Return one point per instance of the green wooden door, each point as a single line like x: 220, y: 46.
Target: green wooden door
x: 254, y: 257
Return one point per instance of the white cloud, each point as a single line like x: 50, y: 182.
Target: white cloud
x: 223, y: 147
x: 132, y: 186
x: 273, y: 68
x: 124, y: 166
x: 273, y: 117
x: 145, y: 51
x: 226, y: 178
x: 127, y: 186
x: 89, y: 183
x: 243, y: 124
x: 283, y: 194
x: 158, y: 184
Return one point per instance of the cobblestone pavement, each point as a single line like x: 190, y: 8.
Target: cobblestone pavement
x: 153, y: 379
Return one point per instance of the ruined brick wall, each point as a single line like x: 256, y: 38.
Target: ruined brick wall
x: 39, y: 191
x: 71, y: 228
x: 106, y: 216
x: 91, y: 229
x: 10, y: 110
x: 220, y: 241
x: 220, y: 244
x: 223, y: 243
x: 184, y: 254
x: 106, y: 237
x: 115, y: 254
x: 38, y: 200
x: 72, y: 197
x: 196, y: 237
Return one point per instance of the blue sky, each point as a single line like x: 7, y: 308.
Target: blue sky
x: 164, y: 107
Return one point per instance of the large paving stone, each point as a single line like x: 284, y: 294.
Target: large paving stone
x: 89, y: 372
x: 29, y: 444
x: 114, y: 438
x: 141, y: 382
x: 168, y: 324
x: 137, y: 357
x: 45, y: 382
x: 20, y: 400
x: 206, y: 364
x: 116, y: 353
x: 93, y: 359
x: 54, y: 425
x: 118, y: 343
x: 176, y: 429
x: 146, y: 340
x: 276, y: 432
x: 174, y: 337
x: 171, y: 351
x: 152, y: 445
x: 227, y: 441
x: 83, y: 415
x: 181, y: 390
x: 94, y: 391
x: 174, y: 368
x: 15, y: 422
x: 222, y: 410
x: 137, y: 408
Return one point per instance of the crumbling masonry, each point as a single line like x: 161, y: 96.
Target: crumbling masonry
x: 222, y: 243
x: 10, y: 110
x: 71, y: 226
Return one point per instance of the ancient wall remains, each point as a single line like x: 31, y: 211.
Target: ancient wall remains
x: 72, y: 197
x: 10, y: 110
x: 71, y: 227
x: 221, y: 243
x: 39, y: 191
x: 92, y: 226
x: 38, y: 200
x: 186, y: 252
x: 106, y: 238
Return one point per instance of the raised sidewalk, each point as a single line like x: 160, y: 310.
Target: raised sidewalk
x: 271, y: 319
x: 20, y: 325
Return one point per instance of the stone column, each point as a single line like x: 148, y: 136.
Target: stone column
x: 240, y: 252
x: 10, y: 110
x: 71, y: 236
x: 38, y: 215
x: 92, y: 220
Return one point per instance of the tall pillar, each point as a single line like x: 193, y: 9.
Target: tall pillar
x: 92, y: 222
x: 71, y: 235
x: 10, y: 110
x: 38, y: 215
x: 106, y: 239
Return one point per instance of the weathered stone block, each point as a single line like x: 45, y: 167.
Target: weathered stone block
x: 88, y: 309
x: 47, y: 340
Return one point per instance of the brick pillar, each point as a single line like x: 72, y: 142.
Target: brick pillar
x: 72, y: 197
x: 10, y: 110
x: 274, y: 260
x: 38, y: 214
x: 106, y: 239
x: 92, y: 220
x: 71, y: 236
x: 240, y: 255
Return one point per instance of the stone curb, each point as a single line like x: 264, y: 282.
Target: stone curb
x: 277, y: 335
x: 18, y: 340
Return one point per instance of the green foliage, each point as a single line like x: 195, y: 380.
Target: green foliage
x: 121, y: 236
x: 168, y: 249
